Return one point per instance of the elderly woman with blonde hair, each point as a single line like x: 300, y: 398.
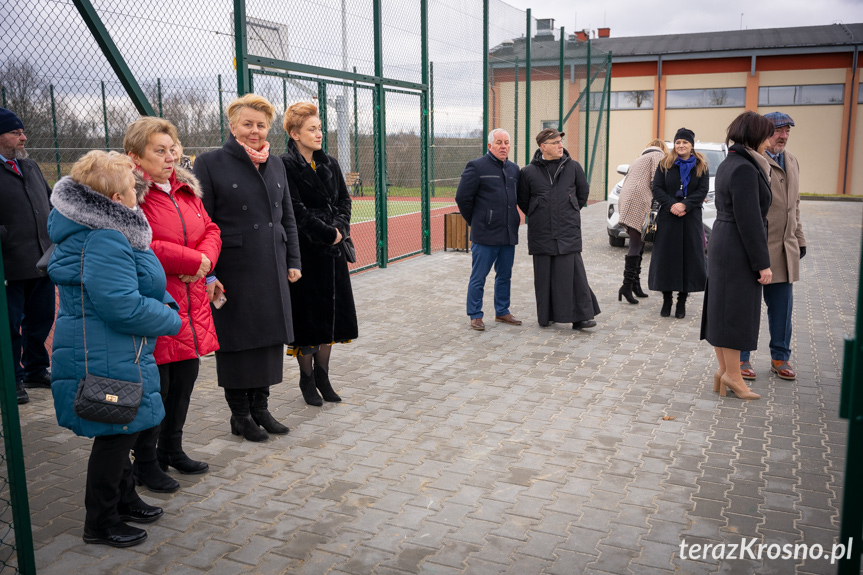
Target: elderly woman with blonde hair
x: 187, y: 243
x: 636, y: 200
x: 246, y: 194
x: 113, y: 306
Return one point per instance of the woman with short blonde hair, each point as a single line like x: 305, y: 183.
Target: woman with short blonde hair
x: 113, y: 306
x: 139, y: 132
x: 246, y: 193
x: 323, y: 303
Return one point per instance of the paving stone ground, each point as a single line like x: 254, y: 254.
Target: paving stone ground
x: 517, y: 450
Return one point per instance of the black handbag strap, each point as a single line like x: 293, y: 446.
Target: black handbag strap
x: 138, y: 349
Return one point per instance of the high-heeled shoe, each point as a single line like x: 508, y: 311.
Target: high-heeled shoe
x: 739, y: 389
x: 716, y: 380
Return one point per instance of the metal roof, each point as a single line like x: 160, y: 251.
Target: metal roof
x: 728, y: 43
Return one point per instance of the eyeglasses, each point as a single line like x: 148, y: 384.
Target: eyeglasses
x: 553, y: 143
x: 17, y: 133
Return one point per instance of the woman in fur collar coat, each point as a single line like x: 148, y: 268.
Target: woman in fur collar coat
x: 323, y: 301
x: 187, y: 244
x: 113, y: 306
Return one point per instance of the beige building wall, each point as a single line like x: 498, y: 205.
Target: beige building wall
x: 703, y: 81
x: 709, y: 124
x: 815, y: 140
x: 629, y: 131
x: 797, y: 77
x: 856, y: 187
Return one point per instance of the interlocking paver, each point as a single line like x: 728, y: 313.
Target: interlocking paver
x: 516, y: 450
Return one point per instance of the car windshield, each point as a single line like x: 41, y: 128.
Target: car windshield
x: 714, y: 158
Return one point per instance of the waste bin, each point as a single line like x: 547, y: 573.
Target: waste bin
x: 456, y: 232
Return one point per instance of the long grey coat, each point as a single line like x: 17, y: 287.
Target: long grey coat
x: 736, y: 253
x: 259, y: 244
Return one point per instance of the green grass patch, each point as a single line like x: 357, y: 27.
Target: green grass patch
x: 364, y: 210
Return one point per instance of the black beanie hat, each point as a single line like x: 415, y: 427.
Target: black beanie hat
x: 9, y: 121
x: 684, y: 134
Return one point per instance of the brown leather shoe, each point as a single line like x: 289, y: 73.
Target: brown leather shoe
x: 477, y: 324
x: 746, y: 371
x: 782, y: 369
x: 508, y: 318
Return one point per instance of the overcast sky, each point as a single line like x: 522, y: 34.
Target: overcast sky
x: 644, y: 18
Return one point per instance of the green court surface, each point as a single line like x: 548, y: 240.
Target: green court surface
x: 364, y: 210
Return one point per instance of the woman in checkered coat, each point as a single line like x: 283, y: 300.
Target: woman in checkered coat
x: 636, y: 199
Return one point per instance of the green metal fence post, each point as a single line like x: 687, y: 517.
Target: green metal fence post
x: 112, y: 54
x: 425, y: 200
x: 285, y: 106
x: 380, y: 135
x: 3, y: 91
x: 851, y: 407
x: 221, y: 113
x: 515, y: 117
x: 13, y: 445
x: 605, y: 88
x: 527, y: 90
x: 587, y: 111
x: 56, y: 137
x: 159, y: 95
x: 241, y: 45
x: 486, y: 126
x: 322, y: 114
x: 607, y: 125
x: 431, y: 130
x: 560, y: 80
x: 105, y: 118
x: 356, y: 130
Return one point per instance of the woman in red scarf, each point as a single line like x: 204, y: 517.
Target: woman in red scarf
x: 246, y: 194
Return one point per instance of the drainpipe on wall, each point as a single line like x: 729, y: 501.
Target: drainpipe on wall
x: 659, y: 101
x: 854, y: 88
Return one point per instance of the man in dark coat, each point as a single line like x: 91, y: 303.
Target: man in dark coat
x: 787, y: 246
x: 486, y: 198
x: 551, y: 192
x: 24, y: 208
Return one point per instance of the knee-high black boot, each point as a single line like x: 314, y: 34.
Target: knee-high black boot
x: 241, y: 420
x: 261, y: 414
x: 636, y: 281
x: 667, y: 300
x: 680, y: 310
x: 628, y: 277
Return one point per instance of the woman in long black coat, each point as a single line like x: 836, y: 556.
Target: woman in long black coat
x: 738, y: 257
x: 680, y: 186
x: 323, y: 301
x: 246, y: 194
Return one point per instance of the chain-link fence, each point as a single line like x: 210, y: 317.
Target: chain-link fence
x: 78, y: 73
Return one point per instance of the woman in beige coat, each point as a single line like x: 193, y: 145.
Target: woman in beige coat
x: 636, y: 199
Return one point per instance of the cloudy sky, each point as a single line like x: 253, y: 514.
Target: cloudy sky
x: 644, y: 18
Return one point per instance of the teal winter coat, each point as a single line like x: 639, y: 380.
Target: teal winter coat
x: 124, y: 301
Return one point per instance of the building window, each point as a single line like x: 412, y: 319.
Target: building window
x: 708, y: 98
x: 860, y: 94
x: 627, y: 100
x: 801, y: 95
x: 549, y: 124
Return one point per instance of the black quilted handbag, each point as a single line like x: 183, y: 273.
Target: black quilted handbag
x: 104, y: 399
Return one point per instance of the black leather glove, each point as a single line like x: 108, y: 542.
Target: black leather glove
x: 802, y: 251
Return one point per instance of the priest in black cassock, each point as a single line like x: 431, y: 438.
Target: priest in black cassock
x: 552, y: 190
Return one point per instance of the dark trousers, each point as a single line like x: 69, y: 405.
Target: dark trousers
x: 109, y: 480
x: 31, y: 315
x: 780, y: 302
x: 177, y: 380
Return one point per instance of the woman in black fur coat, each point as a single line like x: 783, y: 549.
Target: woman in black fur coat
x: 323, y: 301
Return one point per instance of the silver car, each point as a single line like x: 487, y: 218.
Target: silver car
x: 713, y: 153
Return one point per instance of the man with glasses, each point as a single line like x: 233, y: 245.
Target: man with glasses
x: 786, y: 245
x: 552, y: 191
x: 24, y: 207
x: 486, y: 199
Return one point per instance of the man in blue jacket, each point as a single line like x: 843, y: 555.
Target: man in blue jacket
x: 24, y: 207
x: 487, y: 200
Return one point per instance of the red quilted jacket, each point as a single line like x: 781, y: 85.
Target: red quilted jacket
x: 182, y: 231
